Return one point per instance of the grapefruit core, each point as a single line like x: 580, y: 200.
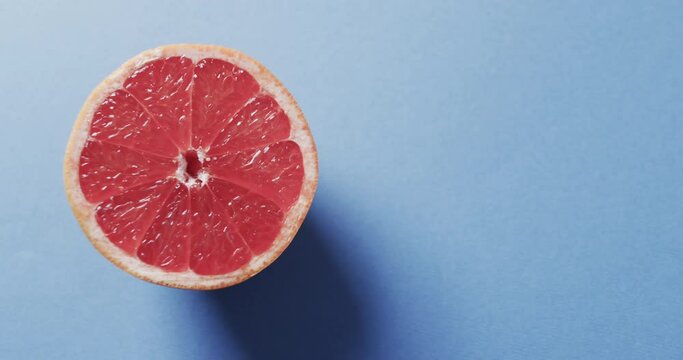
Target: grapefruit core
x: 191, y: 166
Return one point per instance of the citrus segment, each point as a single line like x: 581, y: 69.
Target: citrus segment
x: 274, y: 171
x: 108, y: 169
x: 125, y: 218
x: 217, y: 247
x: 121, y: 120
x: 258, y: 219
x: 162, y: 87
x: 166, y: 242
x: 258, y: 123
x: 220, y: 90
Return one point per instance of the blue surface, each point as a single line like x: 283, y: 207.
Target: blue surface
x: 498, y: 180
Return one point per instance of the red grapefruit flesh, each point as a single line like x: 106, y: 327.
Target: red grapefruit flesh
x: 191, y: 166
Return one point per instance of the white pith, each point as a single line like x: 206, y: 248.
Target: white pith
x: 85, y: 211
x: 180, y: 173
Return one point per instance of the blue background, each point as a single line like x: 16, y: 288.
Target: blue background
x: 498, y: 180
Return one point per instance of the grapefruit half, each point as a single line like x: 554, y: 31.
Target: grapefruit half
x: 191, y: 166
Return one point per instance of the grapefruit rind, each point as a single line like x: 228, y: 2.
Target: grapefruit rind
x: 85, y: 211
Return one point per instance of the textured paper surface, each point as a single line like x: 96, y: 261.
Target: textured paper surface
x: 498, y: 180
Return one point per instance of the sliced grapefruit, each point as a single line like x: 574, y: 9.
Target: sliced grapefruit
x: 191, y: 166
